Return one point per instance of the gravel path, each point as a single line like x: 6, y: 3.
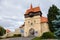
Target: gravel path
x: 19, y: 38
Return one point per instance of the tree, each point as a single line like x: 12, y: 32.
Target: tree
x: 54, y: 20
x: 52, y: 12
x: 56, y: 24
x: 2, y: 31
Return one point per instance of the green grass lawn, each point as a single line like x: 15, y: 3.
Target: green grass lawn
x: 36, y: 38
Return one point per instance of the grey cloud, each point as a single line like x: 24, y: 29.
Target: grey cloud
x: 12, y: 11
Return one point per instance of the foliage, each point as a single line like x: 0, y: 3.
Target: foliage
x: 17, y: 35
x: 54, y: 20
x: 2, y: 31
x: 56, y: 25
x: 46, y: 35
x: 52, y: 12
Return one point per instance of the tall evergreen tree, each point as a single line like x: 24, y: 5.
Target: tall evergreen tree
x: 54, y: 20
x: 52, y: 12
x: 56, y: 24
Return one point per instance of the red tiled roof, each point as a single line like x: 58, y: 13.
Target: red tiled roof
x: 8, y: 31
x: 21, y: 26
x: 44, y: 19
x: 36, y: 9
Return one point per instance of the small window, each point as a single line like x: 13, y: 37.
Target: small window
x: 22, y: 31
x: 31, y: 23
x: 28, y: 21
x: 34, y: 21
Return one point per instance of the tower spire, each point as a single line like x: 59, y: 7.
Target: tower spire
x: 31, y: 6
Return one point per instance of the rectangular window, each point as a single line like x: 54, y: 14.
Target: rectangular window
x: 31, y: 23
x: 22, y: 31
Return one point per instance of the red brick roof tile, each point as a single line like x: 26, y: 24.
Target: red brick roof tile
x: 36, y: 9
x: 44, y: 19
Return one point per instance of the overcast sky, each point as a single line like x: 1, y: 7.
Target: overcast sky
x: 12, y: 11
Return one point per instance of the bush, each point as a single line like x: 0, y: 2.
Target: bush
x: 17, y: 35
x: 48, y: 35
x: 2, y: 31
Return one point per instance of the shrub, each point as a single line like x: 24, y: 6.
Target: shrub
x: 17, y: 35
x: 48, y: 35
x: 2, y: 31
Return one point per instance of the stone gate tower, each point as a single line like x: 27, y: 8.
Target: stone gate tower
x: 33, y: 22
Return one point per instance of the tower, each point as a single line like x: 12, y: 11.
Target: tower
x: 32, y: 22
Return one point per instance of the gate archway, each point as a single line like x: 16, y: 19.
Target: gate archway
x: 31, y: 32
